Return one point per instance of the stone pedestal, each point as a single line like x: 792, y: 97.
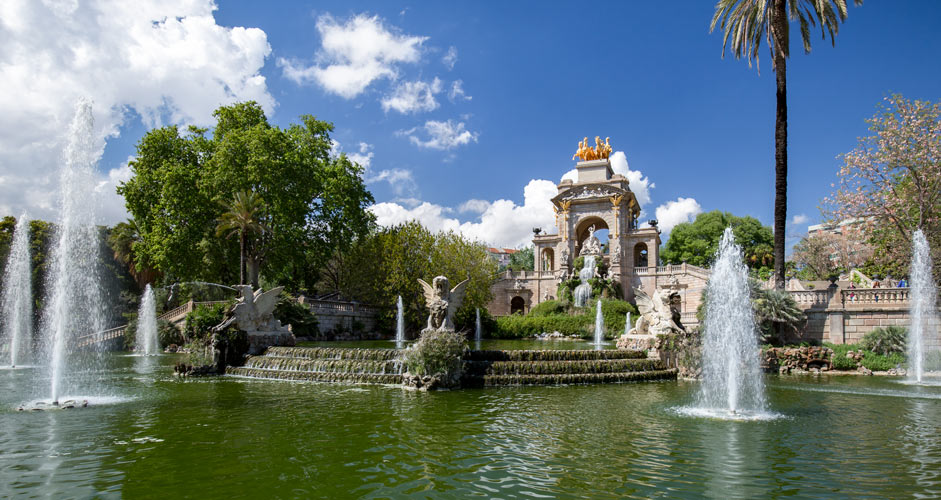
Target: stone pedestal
x: 633, y: 342
x: 259, y: 341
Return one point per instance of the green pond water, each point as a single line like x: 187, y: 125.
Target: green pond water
x: 159, y: 437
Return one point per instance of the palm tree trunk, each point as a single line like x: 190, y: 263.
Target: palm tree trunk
x: 780, y: 141
x: 242, y: 258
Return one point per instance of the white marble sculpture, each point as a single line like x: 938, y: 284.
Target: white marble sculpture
x: 658, y: 314
x: 442, y: 303
x: 591, y: 245
x: 253, y: 311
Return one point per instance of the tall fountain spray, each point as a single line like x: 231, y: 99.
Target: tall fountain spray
x: 627, y: 324
x: 478, y: 331
x: 147, y: 341
x: 17, y: 302
x: 599, y: 328
x: 923, y: 334
x: 73, y: 298
x: 583, y: 291
x: 399, y: 323
x: 732, y: 379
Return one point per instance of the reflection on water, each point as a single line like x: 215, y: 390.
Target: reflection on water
x: 841, y: 437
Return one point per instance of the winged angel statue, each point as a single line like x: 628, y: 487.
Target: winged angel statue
x: 253, y: 311
x: 442, y: 303
x: 658, y: 314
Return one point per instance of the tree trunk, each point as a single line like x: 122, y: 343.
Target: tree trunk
x: 253, y: 269
x: 780, y: 141
x: 242, y: 258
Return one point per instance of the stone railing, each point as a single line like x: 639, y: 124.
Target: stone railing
x: 875, y: 296
x: 680, y: 269
x: 179, y: 313
x: 811, y: 298
x: 336, y: 306
x: 689, y: 318
x: 525, y: 275
x: 103, y: 336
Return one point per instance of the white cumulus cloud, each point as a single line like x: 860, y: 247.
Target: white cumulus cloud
x: 167, y: 61
x: 800, y: 219
x: 441, y: 135
x: 450, y: 59
x: 457, y: 92
x: 675, y: 212
x: 401, y: 180
x: 413, y: 97
x: 501, y: 223
x: 354, y: 54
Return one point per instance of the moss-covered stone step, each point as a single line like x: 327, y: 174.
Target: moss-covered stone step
x: 323, y: 365
x: 348, y: 378
x: 553, y: 355
x: 579, y: 378
x: 562, y: 367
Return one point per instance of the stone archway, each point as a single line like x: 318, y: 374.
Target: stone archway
x: 517, y: 305
x: 581, y: 229
x: 547, y: 262
x: 641, y: 255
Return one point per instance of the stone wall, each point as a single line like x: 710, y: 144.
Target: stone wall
x: 334, y: 316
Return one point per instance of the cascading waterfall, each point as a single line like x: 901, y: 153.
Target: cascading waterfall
x: 923, y: 334
x: 583, y: 291
x: 599, y: 327
x: 17, y: 302
x: 73, y: 297
x: 478, y: 332
x: 147, y: 341
x: 399, y: 323
x: 731, y: 373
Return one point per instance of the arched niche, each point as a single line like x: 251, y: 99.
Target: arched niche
x: 641, y: 255
x: 517, y: 305
x: 547, y: 260
x: 581, y: 230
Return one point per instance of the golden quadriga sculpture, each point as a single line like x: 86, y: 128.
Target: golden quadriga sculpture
x: 601, y: 151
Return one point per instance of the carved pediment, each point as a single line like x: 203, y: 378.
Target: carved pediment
x: 600, y: 192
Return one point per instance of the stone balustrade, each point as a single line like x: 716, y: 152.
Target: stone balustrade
x: 811, y: 298
x: 875, y: 296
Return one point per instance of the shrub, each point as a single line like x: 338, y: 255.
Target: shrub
x: 615, y: 314
x: 290, y: 312
x: 885, y: 340
x: 841, y: 362
x: 547, y: 308
x: 516, y: 326
x: 168, y: 333
x: 881, y: 363
x: 201, y: 320
x: 436, y: 353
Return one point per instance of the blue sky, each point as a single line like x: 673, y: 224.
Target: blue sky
x: 536, y: 78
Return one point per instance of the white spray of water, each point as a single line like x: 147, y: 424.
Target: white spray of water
x: 478, y: 332
x: 399, y: 323
x: 599, y: 327
x: 17, y: 301
x: 923, y: 334
x: 627, y: 323
x: 73, y: 297
x: 732, y: 379
x: 583, y: 291
x: 147, y: 341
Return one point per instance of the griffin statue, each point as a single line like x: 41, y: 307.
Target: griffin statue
x: 442, y: 303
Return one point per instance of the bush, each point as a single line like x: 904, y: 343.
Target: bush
x: 881, y: 363
x: 436, y: 353
x: 547, y: 308
x: 615, y: 314
x: 168, y: 333
x: 516, y: 326
x: 885, y: 340
x: 290, y: 312
x: 200, y: 321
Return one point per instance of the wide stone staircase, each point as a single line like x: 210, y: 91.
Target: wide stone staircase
x: 550, y: 367
x: 481, y: 368
x: 324, y: 364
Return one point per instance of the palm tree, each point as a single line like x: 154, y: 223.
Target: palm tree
x: 745, y: 23
x: 244, y: 216
x: 123, y: 240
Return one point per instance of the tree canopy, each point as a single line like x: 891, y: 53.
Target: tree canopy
x: 315, y: 203
x: 388, y: 263
x: 697, y: 242
x: 890, y: 184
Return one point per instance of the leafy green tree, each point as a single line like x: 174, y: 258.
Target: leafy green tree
x: 245, y: 217
x: 316, y: 204
x: 522, y: 260
x: 122, y: 239
x: 388, y: 263
x: 745, y: 23
x: 697, y: 242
